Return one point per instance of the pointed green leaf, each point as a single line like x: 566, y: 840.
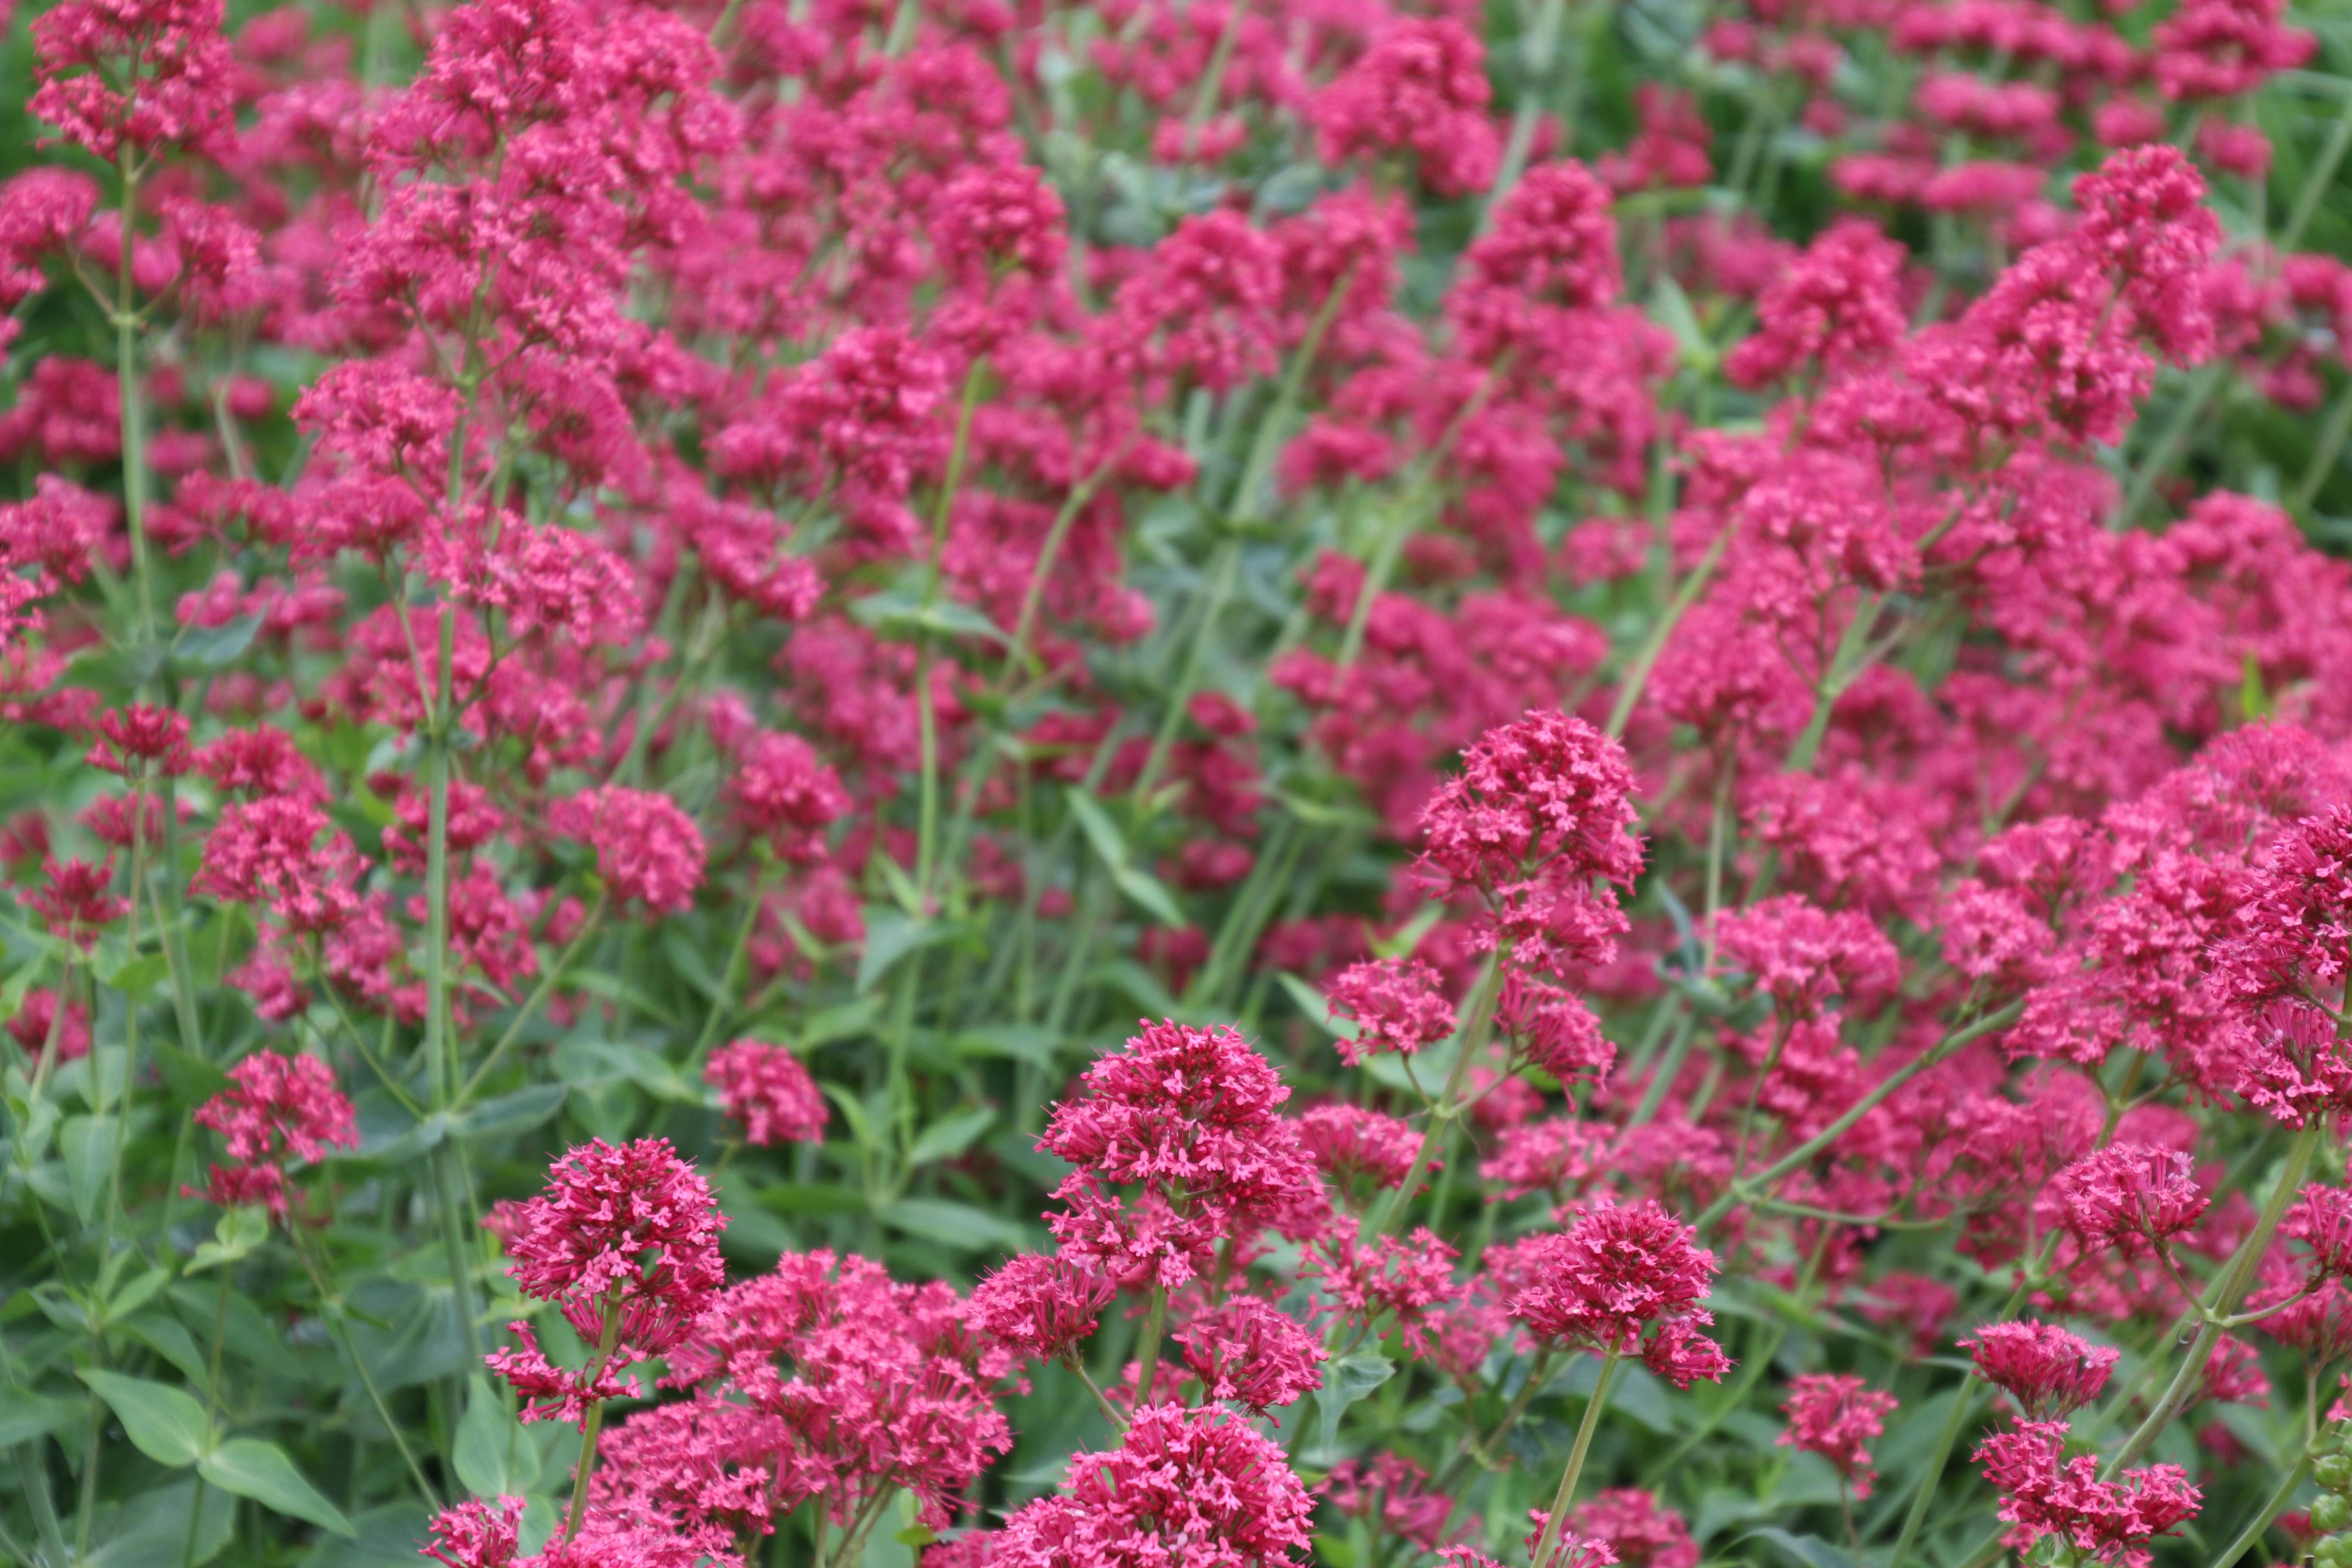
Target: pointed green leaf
x: 251, y: 1468
x: 164, y: 1423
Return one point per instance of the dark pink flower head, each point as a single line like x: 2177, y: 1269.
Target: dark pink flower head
x: 786, y: 794
x: 1203, y: 307
x: 477, y: 1533
x: 1394, y: 1494
x: 77, y: 901
x: 1838, y: 307
x: 1000, y: 218
x: 1568, y: 1550
x: 766, y: 1089
x: 1421, y: 91
x: 629, y: 1227
x: 1630, y: 1522
x: 1802, y: 956
x: 1183, y: 1486
x: 1618, y: 1274
x: 274, y: 1107
x: 2321, y: 1220
x: 2045, y: 1369
x: 2128, y: 1196
x: 142, y: 73
x: 2221, y: 49
x: 2145, y: 223
x: 1539, y: 815
x: 1836, y: 1415
x: 553, y: 1393
x: 647, y: 850
x: 141, y: 738
x: 2043, y: 1493
x: 283, y: 852
x: 1192, y: 1113
x: 1041, y: 1306
x: 2295, y: 930
x: 1246, y: 1352
x: 2293, y: 1063
x: 1351, y: 1145
x: 1551, y: 252
x: 1399, y: 1005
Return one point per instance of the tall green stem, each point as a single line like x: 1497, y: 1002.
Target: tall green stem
x: 595, y: 1422
x: 926, y: 642
x: 1147, y: 1355
x: 1476, y: 1028
x: 1584, y: 1430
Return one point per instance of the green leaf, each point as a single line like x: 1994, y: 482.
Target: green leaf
x: 890, y: 935
x: 1111, y: 846
x: 1809, y: 1549
x: 1315, y: 1006
x: 809, y: 1198
x: 1406, y: 937
x: 594, y: 1061
x: 953, y: 1224
x: 251, y: 1468
x: 213, y: 647
x: 507, y: 1114
x: 1019, y: 1042
x: 1345, y: 1381
x: 494, y: 1456
x: 915, y: 1535
x: 24, y: 1415
x: 165, y: 1424
x: 136, y: 1293
x: 87, y: 1144
x: 1672, y: 307
x: 234, y: 1236
x: 946, y: 1140
x: 853, y: 1111
x: 151, y: 1530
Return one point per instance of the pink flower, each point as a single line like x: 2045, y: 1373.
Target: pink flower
x: 1349, y: 1144
x: 141, y: 734
x: 77, y: 901
x: 2322, y: 1220
x: 274, y: 1107
x: 147, y: 72
x: 1191, y: 1486
x: 1837, y: 308
x: 784, y: 795
x: 1554, y: 1157
x: 1619, y: 1279
x: 1420, y: 90
x: 625, y: 1234
x: 1393, y: 1493
x: 766, y: 1089
x: 1043, y: 1307
x: 2294, y: 1065
x: 1630, y: 1522
x: 2129, y: 1197
x: 647, y: 850
x: 1246, y: 1352
x: 2044, y: 1494
x: 283, y: 852
x: 2047, y: 1369
x: 1834, y: 1414
x: 477, y: 1533
x: 1397, y: 1004
x: 552, y: 1392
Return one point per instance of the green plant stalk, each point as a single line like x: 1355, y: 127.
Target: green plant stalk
x: 1539, y: 48
x: 1741, y: 1190
x: 330, y: 1305
x: 2269, y: 1509
x: 2329, y: 447
x: 2154, y: 469
x: 537, y: 999
x: 723, y: 1004
x: 595, y: 1422
x: 129, y: 1030
x: 1476, y: 1030
x: 134, y: 405
x: 2221, y: 1299
x: 1933, y: 1475
x: 927, y: 644
x: 1637, y: 674
x: 1584, y: 1430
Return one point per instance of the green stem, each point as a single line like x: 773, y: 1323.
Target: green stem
x: 2220, y: 1299
x: 1538, y: 49
x: 595, y: 1422
x: 537, y: 999
x: 1637, y: 674
x: 2154, y: 467
x: 1933, y: 1475
x: 2269, y: 1510
x: 1584, y: 1430
x: 1470, y: 1040
x: 1741, y: 1191
x: 2329, y: 447
x: 926, y: 643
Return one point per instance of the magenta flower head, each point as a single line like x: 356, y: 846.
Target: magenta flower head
x: 2294, y: 1064
x: 1537, y: 817
x: 623, y: 1240
x: 782, y: 794
x: 276, y: 1107
x: 147, y: 73
x: 2045, y: 1369
x: 2129, y: 1197
x: 1040, y: 1306
x: 1622, y: 1280
x: 1835, y: 1415
x: 2043, y: 1493
x: 141, y: 738
x: 1421, y: 89
x: 77, y: 901
x: 477, y: 1534
x: 1244, y: 1350
x: 766, y: 1089
x: 1630, y: 1522
x: 647, y: 850
x: 1185, y: 1486
x: 1397, y: 1003
x: 1193, y: 1116
x: 2322, y: 1220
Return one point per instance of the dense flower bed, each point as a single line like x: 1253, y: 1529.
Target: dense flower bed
x: 1685, y: 661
